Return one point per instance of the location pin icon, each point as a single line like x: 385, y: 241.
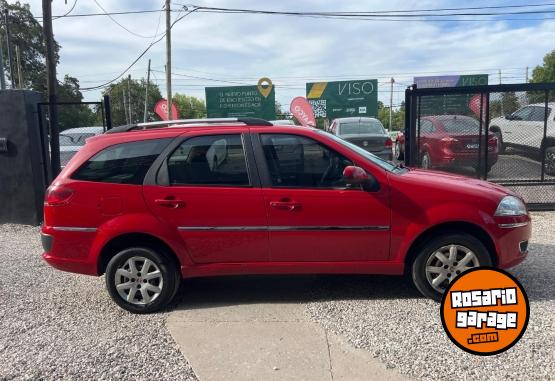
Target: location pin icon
x: 265, y: 86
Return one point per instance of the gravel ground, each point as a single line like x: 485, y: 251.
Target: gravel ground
x: 59, y: 326
x: 388, y: 317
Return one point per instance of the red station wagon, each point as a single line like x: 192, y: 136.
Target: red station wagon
x: 149, y: 205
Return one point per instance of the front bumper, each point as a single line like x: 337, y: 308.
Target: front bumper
x: 513, y: 235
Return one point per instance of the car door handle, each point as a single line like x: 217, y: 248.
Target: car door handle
x: 170, y: 203
x: 285, y: 205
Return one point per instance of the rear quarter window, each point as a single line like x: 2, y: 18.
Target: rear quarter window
x: 125, y: 163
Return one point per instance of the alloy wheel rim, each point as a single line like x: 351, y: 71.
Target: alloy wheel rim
x: 446, y: 263
x: 397, y: 150
x: 139, y: 281
x: 550, y: 161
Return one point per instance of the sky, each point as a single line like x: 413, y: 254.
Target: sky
x: 294, y: 50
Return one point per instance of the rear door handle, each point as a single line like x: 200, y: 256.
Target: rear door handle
x: 285, y: 205
x: 170, y: 203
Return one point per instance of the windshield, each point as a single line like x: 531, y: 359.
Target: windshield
x: 361, y: 127
x: 371, y: 157
x: 461, y: 126
x: 74, y: 139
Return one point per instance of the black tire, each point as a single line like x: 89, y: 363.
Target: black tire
x: 398, y: 154
x: 500, y: 145
x: 426, y: 161
x: 169, y: 276
x: 427, y: 251
x: 550, y: 161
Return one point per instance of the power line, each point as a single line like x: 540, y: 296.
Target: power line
x: 123, y: 26
x: 139, y: 57
x: 68, y: 12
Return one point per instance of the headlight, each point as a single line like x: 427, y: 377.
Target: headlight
x: 510, y: 206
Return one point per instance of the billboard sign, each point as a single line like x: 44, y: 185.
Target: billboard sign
x: 257, y: 101
x: 452, y: 103
x: 339, y: 99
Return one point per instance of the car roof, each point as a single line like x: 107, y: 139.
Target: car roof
x: 355, y: 119
x: 84, y: 130
x: 549, y: 104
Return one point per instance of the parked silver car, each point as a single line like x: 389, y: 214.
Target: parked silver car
x: 367, y: 133
x: 72, y: 139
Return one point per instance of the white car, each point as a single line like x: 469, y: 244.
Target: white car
x: 72, y: 139
x: 524, y: 129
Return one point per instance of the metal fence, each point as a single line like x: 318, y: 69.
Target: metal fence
x: 77, y: 121
x: 501, y: 133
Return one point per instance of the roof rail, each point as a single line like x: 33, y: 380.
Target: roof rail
x: 168, y: 123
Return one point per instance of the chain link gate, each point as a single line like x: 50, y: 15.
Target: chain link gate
x: 501, y: 133
x: 82, y: 115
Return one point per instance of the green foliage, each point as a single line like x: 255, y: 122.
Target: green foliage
x: 189, y: 107
x: 26, y: 33
x: 506, y: 105
x: 397, y: 116
x: 71, y: 116
x: 543, y: 73
x: 134, y: 91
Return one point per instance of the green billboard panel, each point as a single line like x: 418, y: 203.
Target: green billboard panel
x: 241, y: 101
x: 340, y: 99
x: 452, y: 104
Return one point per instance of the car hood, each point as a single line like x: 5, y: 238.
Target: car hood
x: 451, y: 186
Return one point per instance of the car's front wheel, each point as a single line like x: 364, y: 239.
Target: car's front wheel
x: 439, y: 261
x: 426, y: 161
x: 141, y: 280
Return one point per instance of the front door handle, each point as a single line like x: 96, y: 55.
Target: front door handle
x: 285, y: 205
x: 172, y: 203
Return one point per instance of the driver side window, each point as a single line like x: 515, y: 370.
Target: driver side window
x: 522, y: 114
x: 297, y: 161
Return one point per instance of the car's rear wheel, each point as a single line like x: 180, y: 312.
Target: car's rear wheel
x: 140, y: 280
x: 550, y: 161
x: 426, y: 161
x: 442, y: 259
x: 398, y: 154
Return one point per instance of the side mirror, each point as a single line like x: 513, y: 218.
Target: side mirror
x: 353, y: 175
x: 508, y: 116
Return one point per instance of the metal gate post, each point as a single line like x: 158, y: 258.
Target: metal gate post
x: 408, y: 137
x: 542, y: 148
x: 108, y: 111
x: 486, y: 129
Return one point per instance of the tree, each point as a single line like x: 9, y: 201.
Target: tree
x: 506, y: 105
x: 397, y: 116
x: 135, y: 101
x: 189, y: 107
x: 71, y: 116
x: 543, y: 73
x: 26, y: 33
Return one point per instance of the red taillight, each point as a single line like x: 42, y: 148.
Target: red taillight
x: 57, y: 195
x: 388, y: 143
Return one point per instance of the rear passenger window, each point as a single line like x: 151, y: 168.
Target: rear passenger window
x: 125, y: 163
x: 209, y: 160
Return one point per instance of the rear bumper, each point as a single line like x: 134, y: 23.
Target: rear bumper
x: 464, y: 160
x: 386, y: 154
x: 69, y: 250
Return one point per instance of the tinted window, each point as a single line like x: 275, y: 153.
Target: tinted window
x: 538, y: 114
x: 297, y: 161
x: 209, y: 160
x: 426, y: 126
x: 522, y: 114
x: 361, y: 127
x: 461, y: 126
x: 125, y: 163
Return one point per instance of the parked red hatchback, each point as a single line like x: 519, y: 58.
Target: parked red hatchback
x: 149, y: 206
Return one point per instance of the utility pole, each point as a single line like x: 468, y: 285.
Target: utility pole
x: 125, y: 108
x: 9, y: 42
x: 52, y: 84
x: 499, y: 76
x: 19, y: 70
x: 169, y: 59
x: 2, y: 77
x: 527, y: 78
x: 129, y: 97
x: 146, y: 92
x: 391, y: 104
